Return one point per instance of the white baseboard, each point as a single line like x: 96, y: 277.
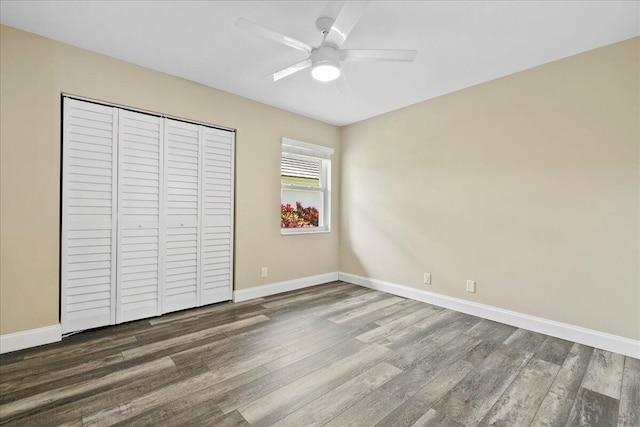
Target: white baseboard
x: 286, y: 286
x: 30, y: 338
x: 628, y: 347
x: 589, y: 337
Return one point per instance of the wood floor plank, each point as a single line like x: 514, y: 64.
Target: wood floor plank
x: 72, y: 409
x: 483, y: 386
x: 519, y: 403
x: 198, y: 413
x: 303, y: 296
x: 434, y: 419
x: 412, y: 410
x: 364, y: 310
x: 604, y: 373
x: 303, y: 309
x: 368, y: 411
x: 423, y: 328
x: 492, y: 335
x: 11, y: 409
x: 432, y: 342
x: 556, y: 406
x: 427, y: 368
x: 313, y: 290
x: 280, y: 403
x: 225, y: 345
x: 196, y: 313
x: 408, y: 307
x: 553, y: 350
x: 593, y: 409
x: 326, y: 407
x: 203, y: 384
x: 233, y: 419
x: 379, y: 335
x: 36, y: 365
x: 216, y: 330
x: 79, y: 348
x: 373, y: 317
x: 315, y: 345
x: 526, y: 341
x: 271, y: 328
x: 303, y: 341
x: 569, y: 378
x: 346, y: 304
x: 629, y: 415
x: 176, y: 412
x: 246, y: 362
x: 279, y: 378
x: 553, y: 411
x: 50, y: 376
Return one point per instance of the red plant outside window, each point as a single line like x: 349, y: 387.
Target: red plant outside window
x: 298, y: 217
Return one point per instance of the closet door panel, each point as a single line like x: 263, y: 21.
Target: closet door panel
x: 217, y: 215
x: 88, y: 241
x: 139, y: 223
x: 182, y: 194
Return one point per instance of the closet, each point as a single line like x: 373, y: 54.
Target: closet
x: 147, y: 215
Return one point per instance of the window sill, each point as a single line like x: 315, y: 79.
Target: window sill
x: 295, y: 231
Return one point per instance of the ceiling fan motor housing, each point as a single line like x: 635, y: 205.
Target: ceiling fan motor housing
x: 325, y: 62
x: 325, y: 55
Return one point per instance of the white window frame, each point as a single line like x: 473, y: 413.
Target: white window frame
x: 293, y: 148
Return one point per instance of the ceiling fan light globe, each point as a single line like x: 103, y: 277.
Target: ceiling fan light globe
x: 325, y: 72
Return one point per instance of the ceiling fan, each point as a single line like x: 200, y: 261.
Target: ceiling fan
x: 325, y: 59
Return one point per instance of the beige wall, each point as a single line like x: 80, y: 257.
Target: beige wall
x: 35, y: 71
x: 528, y: 184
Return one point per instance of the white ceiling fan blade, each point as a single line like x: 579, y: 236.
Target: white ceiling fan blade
x: 344, y: 23
x: 298, y: 66
x: 344, y: 86
x: 270, y: 34
x: 353, y: 55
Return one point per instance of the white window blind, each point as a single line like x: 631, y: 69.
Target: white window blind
x: 300, y: 167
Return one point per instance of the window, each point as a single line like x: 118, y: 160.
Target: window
x: 305, y: 178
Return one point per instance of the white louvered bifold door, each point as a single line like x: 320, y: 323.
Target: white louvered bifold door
x: 182, y: 165
x: 147, y: 215
x: 216, y: 264
x: 88, y: 233
x: 139, y: 280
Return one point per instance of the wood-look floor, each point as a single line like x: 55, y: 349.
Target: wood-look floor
x: 336, y: 355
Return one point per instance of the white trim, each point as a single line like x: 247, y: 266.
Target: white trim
x: 286, y: 286
x: 293, y: 146
x: 149, y: 112
x: 30, y: 338
x: 590, y: 337
x: 303, y: 230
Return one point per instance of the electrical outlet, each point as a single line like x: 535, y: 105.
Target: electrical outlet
x: 471, y: 286
x: 263, y: 273
x: 427, y: 278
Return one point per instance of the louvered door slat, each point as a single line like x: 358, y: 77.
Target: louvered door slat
x: 88, y: 240
x: 139, y: 225
x: 182, y: 142
x: 216, y: 209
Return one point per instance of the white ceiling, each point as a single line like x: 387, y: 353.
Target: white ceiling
x: 459, y: 43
